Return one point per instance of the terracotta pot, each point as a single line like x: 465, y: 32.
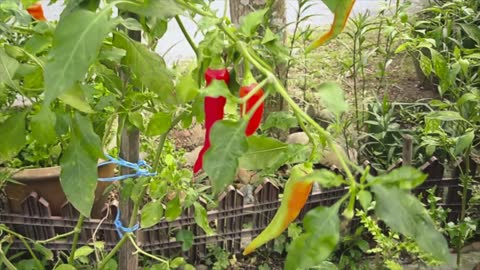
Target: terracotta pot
x: 46, y: 183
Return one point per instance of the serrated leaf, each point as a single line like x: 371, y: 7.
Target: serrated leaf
x: 159, y: 124
x: 201, y: 218
x: 74, y: 49
x: 13, y: 136
x: 174, y: 209
x: 42, y: 125
x: 403, y: 213
x: 186, y: 237
x: 228, y: 143
x: 322, y: 233
x: 146, y: 65
x: 152, y: 213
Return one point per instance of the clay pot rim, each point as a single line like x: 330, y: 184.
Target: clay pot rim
x: 37, y: 174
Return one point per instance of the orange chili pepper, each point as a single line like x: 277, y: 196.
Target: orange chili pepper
x: 297, y: 190
x: 36, y: 11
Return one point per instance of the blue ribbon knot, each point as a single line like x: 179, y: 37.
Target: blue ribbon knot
x: 141, y: 169
x: 120, y: 228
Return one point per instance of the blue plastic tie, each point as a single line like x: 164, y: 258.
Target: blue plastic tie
x: 120, y: 228
x: 141, y: 169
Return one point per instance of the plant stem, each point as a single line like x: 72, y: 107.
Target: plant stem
x: 5, y: 261
x: 22, y: 238
x: 76, y: 236
x: 141, y: 251
x: 187, y: 36
x: 60, y: 236
x: 254, y: 91
x: 465, y: 177
x: 113, y: 251
x: 309, y: 135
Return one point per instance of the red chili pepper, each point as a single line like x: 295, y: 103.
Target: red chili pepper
x: 213, y: 107
x: 36, y: 11
x: 249, y: 84
x: 256, y: 118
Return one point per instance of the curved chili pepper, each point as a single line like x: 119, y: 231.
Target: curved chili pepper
x: 297, y: 190
x: 36, y: 11
x: 256, y: 118
x: 213, y: 107
x: 341, y: 10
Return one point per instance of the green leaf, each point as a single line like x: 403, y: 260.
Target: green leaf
x: 74, y: 49
x: 322, y: 233
x: 162, y: 9
x: 403, y: 213
x: 47, y: 254
x: 251, y: 21
x: 472, y: 31
x: 111, y: 265
x: 365, y: 199
x: 463, y: 142
x: 216, y: 88
x: 425, y: 64
x: 79, y: 165
x: 65, y: 267
x: 228, y: 143
x: 404, y: 178
x: 186, y: 89
x: 283, y: 120
x: 445, y: 116
x: 439, y: 65
x: 177, y: 262
x: 201, y: 218
x: 147, y: 66
x: 269, y: 36
x: 326, y: 178
x: 13, y: 136
x: 174, y: 209
x: 136, y: 119
x: 43, y: 126
x: 152, y: 213
x: 75, y: 97
x: 8, y: 67
x: 83, y: 252
x: 38, y: 43
x: 331, y: 95
x: 79, y: 176
x: 263, y: 153
x: 186, y: 237
x: 159, y: 124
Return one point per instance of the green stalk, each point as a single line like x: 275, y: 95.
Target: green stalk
x: 57, y: 237
x: 141, y: 251
x: 22, y: 238
x: 113, y: 251
x: 187, y: 36
x: 465, y: 177
x: 76, y: 236
x: 254, y: 91
x: 5, y: 261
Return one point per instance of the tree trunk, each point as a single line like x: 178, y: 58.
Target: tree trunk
x: 238, y: 9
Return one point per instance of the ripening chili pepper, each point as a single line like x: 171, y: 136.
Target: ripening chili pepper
x: 214, y: 111
x: 297, y: 190
x: 36, y: 11
x: 249, y: 84
x: 341, y: 10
